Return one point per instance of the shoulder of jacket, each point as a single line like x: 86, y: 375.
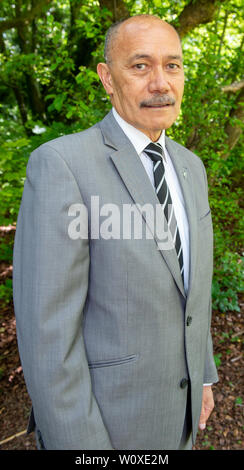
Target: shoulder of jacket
x: 191, y: 156
x: 63, y: 143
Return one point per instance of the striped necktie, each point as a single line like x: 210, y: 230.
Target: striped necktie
x: 155, y: 152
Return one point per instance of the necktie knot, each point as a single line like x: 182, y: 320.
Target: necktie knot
x: 154, y: 151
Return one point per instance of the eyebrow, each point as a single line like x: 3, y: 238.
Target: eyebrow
x: 175, y: 57
x: 140, y: 56
x: 147, y: 56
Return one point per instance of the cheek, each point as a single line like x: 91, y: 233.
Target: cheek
x: 127, y: 96
x: 130, y: 92
x: 179, y: 87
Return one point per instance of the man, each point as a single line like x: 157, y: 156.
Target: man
x: 114, y: 331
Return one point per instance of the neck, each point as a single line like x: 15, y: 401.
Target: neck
x: 153, y: 135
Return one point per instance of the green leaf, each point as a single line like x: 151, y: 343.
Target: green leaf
x: 217, y: 359
x: 238, y: 401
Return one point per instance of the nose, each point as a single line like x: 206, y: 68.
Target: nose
x: 158, y: 81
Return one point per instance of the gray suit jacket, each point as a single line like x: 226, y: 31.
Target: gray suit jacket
x: 105, y: 331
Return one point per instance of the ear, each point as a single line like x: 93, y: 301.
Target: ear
x: 105, y: 77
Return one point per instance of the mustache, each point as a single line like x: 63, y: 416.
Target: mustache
x: 158, y: 101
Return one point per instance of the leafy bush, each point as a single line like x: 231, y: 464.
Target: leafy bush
x: 228, y: 282
x: 6, y: 292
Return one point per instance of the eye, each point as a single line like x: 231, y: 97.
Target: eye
x: 173, y: 66
x: 140, y: 66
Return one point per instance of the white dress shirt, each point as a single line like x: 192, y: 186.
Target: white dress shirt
x: 140, y: 141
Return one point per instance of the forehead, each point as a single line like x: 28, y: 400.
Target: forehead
x: 149, y: 37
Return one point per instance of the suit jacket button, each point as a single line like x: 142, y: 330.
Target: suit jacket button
x: 188, y: 321
x: 183, y: 383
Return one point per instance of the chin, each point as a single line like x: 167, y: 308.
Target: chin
x: 162, y: 122
x: 167, y: 125
x: 161, y: 125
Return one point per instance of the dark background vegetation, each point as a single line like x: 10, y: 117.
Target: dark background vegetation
x: 49, y: 87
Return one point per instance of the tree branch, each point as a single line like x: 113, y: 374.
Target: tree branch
x: 194, y: 14
x: 25, y: 18
x: 223, y: 32
x: 233, y: 87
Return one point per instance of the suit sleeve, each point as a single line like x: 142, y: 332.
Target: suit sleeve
x: 51, y: 272
x: 210, y: 371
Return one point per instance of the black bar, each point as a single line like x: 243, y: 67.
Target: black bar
x: 112, y: 459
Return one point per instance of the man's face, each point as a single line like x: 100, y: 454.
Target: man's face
x: 145, y: 78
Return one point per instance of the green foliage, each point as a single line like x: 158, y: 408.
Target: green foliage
x: 6, y: 292
x: 238, y: 401
x: 217, y: 359
x: 6, y: 252
x: 228, y: 282
x: 12, y: 173
x: 234, y: 338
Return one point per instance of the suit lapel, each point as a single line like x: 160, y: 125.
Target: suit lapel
x: 135, y: 178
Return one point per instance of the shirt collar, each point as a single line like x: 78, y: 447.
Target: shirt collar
x: 138, y: 139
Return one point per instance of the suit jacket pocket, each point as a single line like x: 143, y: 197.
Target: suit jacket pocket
x: 113, y: 362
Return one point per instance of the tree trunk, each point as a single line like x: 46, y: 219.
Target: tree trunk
x: 36, y: 101
x: 117, y: 7
x: 196, y: 13
x: 22, y: 108
x: 26, y: 42
x: 2, y: 45
x: 80, y: 47
x: 234, y: 131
